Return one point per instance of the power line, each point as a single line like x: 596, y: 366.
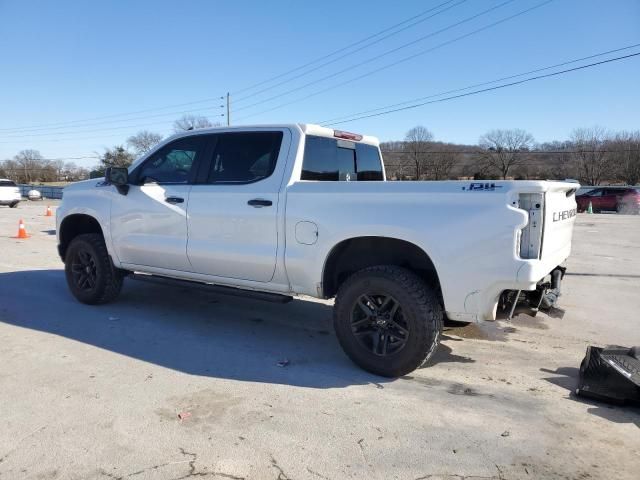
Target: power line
x: 75, y: 132
x: 69, y: 123
x: 376, y: 57
x: 367, y: 45
x: 332, y: 53
x: 58, y: 158
x: 405, y: 59
x: 93, y: 137
x: 343, y: 117
x: 538, y: 77
x: 45, y: 126
x: 106, y: 122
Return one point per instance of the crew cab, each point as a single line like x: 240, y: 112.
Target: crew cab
x: 284, y: 210
x: 9, y: 193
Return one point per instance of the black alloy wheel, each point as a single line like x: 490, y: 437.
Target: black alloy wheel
x: 83, y: 269
x: 378, y: 323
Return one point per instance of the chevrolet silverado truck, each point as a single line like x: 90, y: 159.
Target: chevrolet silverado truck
x: 283, y: 210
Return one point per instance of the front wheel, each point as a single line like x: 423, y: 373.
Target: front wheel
x: 14, y: 205
x: 387, y: 320
x: 91, y: 276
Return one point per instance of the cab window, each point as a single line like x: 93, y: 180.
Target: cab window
x: 174, y: 162
x: 331, y: 159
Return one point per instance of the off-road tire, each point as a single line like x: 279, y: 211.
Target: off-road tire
x: 421, y: 311
x: 108, y: 279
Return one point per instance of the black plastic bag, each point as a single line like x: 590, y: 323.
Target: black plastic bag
x: 611, y: 374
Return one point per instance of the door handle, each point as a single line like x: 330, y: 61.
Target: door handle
x: 174, y: 200
x: 259, y: 202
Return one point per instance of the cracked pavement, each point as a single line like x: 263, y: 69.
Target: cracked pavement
x: 96, y: 392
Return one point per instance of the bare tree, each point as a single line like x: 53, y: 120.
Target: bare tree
x: 29, y: 162
x: 589, y: 146
x: 558, y: 163
x: 503, y: 149
x: 625, y: 156
x: 143, y: 141
x: 443, y: 161
x: 192, y: 122
x: 59, y: 167
x: 417, y: 144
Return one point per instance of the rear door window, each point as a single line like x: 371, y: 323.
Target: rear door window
x: 7, y: 183
x: 330, y: 159
x: 244, y: 157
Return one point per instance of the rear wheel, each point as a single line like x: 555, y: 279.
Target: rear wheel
x: 388, y: 320
x: 91, y: 276
x: 14, y: 205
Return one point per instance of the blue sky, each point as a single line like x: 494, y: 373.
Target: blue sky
x: 73, y: 60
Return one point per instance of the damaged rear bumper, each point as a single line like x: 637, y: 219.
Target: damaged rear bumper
x: 544, y: 297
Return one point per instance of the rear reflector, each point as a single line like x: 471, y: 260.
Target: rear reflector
x: 347, y: 135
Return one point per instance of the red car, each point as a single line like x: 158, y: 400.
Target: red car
x: 617, y: 199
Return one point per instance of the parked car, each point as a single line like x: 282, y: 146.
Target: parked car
x: 34, y: 194
x: 281, y: 210
x: 617, y: 199
x: 9, y: 193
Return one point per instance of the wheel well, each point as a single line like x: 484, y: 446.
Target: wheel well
x: 75, y: 225
x: 354, y: 254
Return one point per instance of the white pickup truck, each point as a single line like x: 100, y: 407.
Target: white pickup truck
x: 282, y: 210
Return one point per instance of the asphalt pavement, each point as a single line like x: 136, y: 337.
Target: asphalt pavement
x: 173, y: 383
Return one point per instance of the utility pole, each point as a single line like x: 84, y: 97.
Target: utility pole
x: 228, y: 109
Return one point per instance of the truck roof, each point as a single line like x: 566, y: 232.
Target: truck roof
x: 306, y: 128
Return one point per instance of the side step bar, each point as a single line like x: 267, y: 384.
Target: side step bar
x: 210, y: 287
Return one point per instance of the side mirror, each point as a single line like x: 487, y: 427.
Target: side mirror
x: 119, y: 177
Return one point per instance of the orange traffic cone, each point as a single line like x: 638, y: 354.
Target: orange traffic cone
x: 49, y: 213
x: 22, y: 232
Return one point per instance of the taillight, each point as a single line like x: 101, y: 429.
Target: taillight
x: 531, y: 233
x: 347, y: 135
